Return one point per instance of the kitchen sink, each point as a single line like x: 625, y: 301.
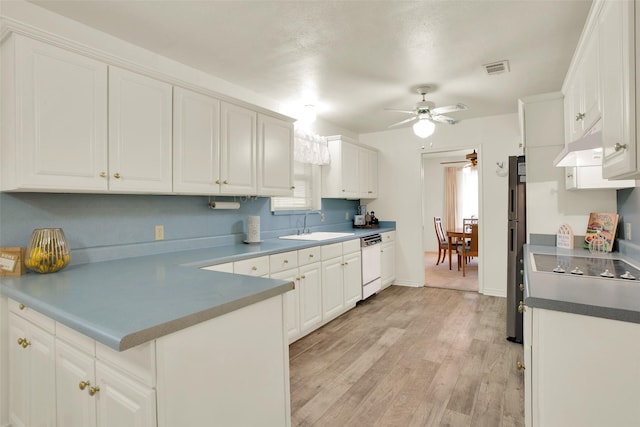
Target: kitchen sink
x: 317, y: 237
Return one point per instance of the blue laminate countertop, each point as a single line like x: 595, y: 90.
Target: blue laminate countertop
x: 591, y: 296
x: 127, y: 302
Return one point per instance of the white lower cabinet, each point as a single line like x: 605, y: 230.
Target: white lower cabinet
x: 310, y: 297
x: 341, y: 277
x: 584, y: 371
x: 292, y: 302
x: 31, y: 374
x: 388, y: 258
x: 92, y: 393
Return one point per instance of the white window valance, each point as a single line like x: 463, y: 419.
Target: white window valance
x: 310, y: 148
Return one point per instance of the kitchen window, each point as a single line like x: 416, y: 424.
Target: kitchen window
x: 306, y: 194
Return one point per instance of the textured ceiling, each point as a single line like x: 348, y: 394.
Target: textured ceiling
x: 354, y: 58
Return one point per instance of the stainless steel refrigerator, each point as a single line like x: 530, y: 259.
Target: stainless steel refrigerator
x: 516, y: 239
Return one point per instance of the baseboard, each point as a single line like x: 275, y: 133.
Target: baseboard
x: 494, y: 293
x: 408, y: 284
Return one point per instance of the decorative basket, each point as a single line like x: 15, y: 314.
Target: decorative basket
x: 48, y: 250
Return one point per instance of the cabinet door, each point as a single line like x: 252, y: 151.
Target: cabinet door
x: 586, y: 377
x: 196, y: 143
x: 310, y: 297
x: 572, y: 107
x: 121, y: 401
x: 275, y: 157
x: 590, y: 83
x: 372, y: 173
x: 60, y: 140
x: 32, y: 391
x: 238, y: 150
x: 617, y: 87
x: 388, y: 266
x: 292, y: 302
x: 139, y: 133
x: 74, y: 377
x: 352, y: 278
x: 332, y: 288
x: 350, y: 171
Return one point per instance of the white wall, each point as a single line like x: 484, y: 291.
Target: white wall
x: 400, y: 193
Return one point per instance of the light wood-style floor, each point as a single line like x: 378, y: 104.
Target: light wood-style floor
x: 410, y: 357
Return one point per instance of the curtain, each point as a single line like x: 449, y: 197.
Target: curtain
x: 450, y: 198
x: 310, y: 148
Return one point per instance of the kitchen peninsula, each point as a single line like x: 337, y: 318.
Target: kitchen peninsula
x: 192, y: 341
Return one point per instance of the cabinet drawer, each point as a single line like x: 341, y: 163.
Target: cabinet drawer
x: 76, y: 339
x: 283, y: 261
x: 351, y: 246
x: 252, y: 267
x: 389, y: 236
x: 331, y: 251
x: 309, y: 255
x: 139, y: 361
x: 33, y: 316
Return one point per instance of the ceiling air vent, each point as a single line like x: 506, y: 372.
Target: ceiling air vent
x: 497, y: 67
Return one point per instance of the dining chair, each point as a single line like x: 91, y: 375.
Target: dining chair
x: 443, y: 244
x: 465, y: 252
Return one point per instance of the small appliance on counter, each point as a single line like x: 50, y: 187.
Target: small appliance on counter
x: 366, y: 220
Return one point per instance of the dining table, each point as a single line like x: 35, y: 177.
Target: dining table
x: 454, y: 235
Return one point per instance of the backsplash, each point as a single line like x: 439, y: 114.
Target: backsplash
x: 99, y: 221
x: 628, y: 202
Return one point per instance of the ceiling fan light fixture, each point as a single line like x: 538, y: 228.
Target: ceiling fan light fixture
x: 424, y: 128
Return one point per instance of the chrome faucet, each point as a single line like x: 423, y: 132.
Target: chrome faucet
x: 305, y: 229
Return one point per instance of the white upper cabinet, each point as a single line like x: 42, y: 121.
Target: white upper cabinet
x: 196, y: 143
x: 238, y: 150
x: 54, y: 133
x: 618, y: 88
x: 353, y: 171
x: 582, y: 97
x: 139, y: 133
x: 275, y: 156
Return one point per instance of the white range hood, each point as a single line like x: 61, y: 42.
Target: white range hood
x: 586, y: 151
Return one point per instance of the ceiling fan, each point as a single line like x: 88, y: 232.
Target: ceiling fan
x: 471, y: 160
x: 426, y: 115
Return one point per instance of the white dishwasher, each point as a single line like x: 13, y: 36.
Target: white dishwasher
x: 371, y: 260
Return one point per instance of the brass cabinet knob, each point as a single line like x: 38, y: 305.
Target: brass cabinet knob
x: 21, y: 307
x: 217, y: 181
x: 20, y: 341
x: 83, y: 384
x: 521, y: 287
x: 304, y: 277
x: 369, y: 192
x: 522, y: 272
x: 225, y: 181
x: 521, y: 307
x: 254, y: 268
x: 521, y: 261
x: 116, y: 175
x: 619, y: 146
x: 346, y: 263
x: 310, y: 255
x: 93, y: 390
x: 103, y: 174
x: 293, y: 187
x: 343, y: 190
x: 520, y: 366
x: 286, y: 261
x: 24, y: 342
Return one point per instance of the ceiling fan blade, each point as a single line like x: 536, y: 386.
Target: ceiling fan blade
x: 404, y: 121
x: 444, y: 119
x: 455, y: 161
x: 449, y: 109
x: 401, y: 111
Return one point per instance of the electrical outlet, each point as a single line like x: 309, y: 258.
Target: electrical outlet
x: 346, y: 215
x: 627, y: 231
x: 159, y: 232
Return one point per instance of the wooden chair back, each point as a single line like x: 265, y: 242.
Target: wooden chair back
x: 437, y: 223
x: 473, y: 239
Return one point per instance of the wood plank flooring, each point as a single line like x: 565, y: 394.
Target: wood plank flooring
x: 410, y: 357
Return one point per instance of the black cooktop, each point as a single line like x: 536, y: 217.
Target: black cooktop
x: 585, y: 266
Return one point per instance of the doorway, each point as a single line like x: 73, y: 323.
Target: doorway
x: 450, y: 190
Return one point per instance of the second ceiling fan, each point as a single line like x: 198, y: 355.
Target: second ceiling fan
x: 471, y: 160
